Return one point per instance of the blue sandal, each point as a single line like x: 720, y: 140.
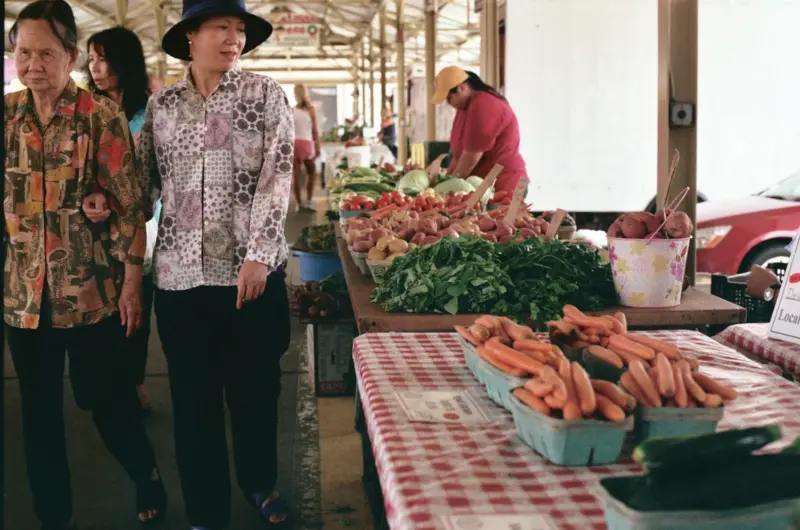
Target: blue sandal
x: 276, y: 507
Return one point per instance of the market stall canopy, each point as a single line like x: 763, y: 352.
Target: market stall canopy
x: 314, y: 41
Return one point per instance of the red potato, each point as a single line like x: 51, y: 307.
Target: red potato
x: 678, y: 225
x: 362, y: 246
x: 418, y: 238
x: 489, y: 237
x: 633, y: 228
x: 430, y: 240
x: 448, y: 232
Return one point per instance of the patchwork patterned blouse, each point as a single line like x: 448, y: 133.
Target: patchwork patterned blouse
x: 223, y: 168
x: 49, y: 241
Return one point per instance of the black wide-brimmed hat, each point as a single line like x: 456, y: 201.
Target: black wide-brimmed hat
x: 175, y: 43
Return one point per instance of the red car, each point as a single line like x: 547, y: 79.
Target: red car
x: 734, y: 235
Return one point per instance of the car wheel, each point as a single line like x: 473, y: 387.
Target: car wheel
x: 774, y: 253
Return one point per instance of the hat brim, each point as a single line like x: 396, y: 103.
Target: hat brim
x: 257, y: 31
x: 439, y: 97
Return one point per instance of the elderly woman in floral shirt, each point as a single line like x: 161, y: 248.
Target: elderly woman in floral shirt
x: 217, y: 148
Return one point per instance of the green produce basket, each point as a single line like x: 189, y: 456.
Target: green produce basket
x: 352, y: 213
x: 471, y: 355
x: 378, y: 269
x: 498, y: 383
x: 570, y: 442
x: 778, y: 515
x: 360, y: 259
x: 660, y: 422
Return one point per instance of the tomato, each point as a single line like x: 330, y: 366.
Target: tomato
x: 369, y: 205
x: 346, y: 207
x: 398, y: 200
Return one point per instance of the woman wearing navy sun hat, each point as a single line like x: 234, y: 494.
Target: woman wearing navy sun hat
x: 217, y: 148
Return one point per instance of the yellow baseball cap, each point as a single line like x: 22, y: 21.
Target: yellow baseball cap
x: 446, y: 80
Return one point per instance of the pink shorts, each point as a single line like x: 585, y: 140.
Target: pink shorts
x: 303, y: 150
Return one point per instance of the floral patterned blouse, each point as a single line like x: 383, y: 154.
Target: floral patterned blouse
x: 223, y: 168
x: 48, y: 239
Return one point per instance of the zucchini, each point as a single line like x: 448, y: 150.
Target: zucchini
x: 376, y: 187
x: 662, y: 453
x: 741, y: 482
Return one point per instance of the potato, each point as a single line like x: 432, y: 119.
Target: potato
x: 398, y: 246
x: 655, y: 235
x: 406, y: 234
x: 362, y: 246
x: 487, y: 224
x: 505, y: 240
x: 428, y: 226
x: 615, y: 230
x: 430, y: 240
x: 376, y: 255
x: 490, y: 237
x: 411, y: 246
x: 359, y: 239
x: 377, y: 235
x: 448, y: 232
x: 678, y: 225
x: 390, y: 258
x: 418, y: 238
x: 383, y: 243
x: 632, y: 228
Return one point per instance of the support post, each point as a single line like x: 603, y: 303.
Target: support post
x: 356, y: 81
x: 430, y: 66
x: 122, y: 10
x: 162, y: 57
x: 364, y: 88
x: 371, y: 48
x: 677, y: 76
x: 382, y: 51
x: 490, y: 29
x: 400, y: 94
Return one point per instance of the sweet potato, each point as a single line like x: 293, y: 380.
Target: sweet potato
x: 632, y: 228
x: 615, y: 230
x: 678, y: 225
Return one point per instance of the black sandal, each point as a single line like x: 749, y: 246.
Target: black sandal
x: 151, y: 497
x: 275, y: 507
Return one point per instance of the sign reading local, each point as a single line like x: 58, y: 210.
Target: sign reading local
x: 290, y: 30
x: 785, y: 322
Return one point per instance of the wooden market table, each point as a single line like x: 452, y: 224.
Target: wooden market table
x: 697, y: 309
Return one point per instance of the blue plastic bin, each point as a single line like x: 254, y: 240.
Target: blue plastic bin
x: 778, y: 515
x: 316, y: 266
x: 570, y: 442
x: 661, y: 422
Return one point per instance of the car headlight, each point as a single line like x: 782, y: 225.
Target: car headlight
x: 708, y: 238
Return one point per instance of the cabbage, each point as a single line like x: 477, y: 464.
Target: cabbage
x: 475, y: 181
x: 414, y: 182
x: 454, y: 184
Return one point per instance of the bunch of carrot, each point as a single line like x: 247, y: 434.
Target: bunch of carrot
x: 581, y: 331
x: 510, y: 347
x: 570, y: 394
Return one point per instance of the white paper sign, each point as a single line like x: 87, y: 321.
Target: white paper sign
x: 446, y: 406
x: 785, y: 322
x: 498, y: 522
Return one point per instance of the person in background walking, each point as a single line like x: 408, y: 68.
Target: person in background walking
x: 117, y: 70
x: 70, y: 285
x: 218, y: 147
x: 307, y: 146
x: 388, y: 133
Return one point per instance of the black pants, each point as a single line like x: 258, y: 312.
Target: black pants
x: 212, y: 348
x: 141, y: 339
x: 101, y: 383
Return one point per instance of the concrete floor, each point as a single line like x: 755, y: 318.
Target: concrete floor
x: 319, y: 452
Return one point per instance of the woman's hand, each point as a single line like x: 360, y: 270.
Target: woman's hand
x: 95, y: 207
x: 130, y: 304
x: 252, y: 282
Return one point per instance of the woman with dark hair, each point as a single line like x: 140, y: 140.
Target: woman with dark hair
x: 71, y: 286
x: 218, y: 147
x: 117, y: 70
x: 485, y: 131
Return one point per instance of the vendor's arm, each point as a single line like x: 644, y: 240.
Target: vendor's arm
x: 465, y: 164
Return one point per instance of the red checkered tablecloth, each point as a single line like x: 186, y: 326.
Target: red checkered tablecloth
x: 752, y: 340
x: 431, y: 470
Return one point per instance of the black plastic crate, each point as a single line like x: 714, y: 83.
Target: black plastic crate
x: 758, y: 310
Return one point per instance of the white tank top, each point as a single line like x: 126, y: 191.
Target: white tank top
x: 302, y: 125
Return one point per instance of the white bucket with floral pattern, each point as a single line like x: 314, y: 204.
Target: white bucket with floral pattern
x: 648, y: 273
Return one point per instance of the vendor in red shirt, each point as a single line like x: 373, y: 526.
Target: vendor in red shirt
x: 485, y: 131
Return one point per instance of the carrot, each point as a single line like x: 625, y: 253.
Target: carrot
x: 609, y: 409
x: 670, y: 350
x: 680, y: 396
x: 616, y: 325
x: 691, y: 404
x: 531, y: 345
x: 671, y: 403
x: 628, y: 383
x: 383, y: 212
x: 535, y: 355
x: 666, y: 380
x: 549, y: 375
x: 583, y: 320
x: 692, y: 388
x: 479, y: 332
x: 512, y: 357
x: 604, y: 342
x: 583, y: 390
x: 639, y: 373
x: 489, y: 322
x: 553, y: 402
x: 623, y: 320
x: 464, y: 332
x: 605, y: 355
x: 714, y: 387
x: 623, y: 343
x: 532, y: 401
x: 594, y: 339
x: 499, y: 212
x: 514, y: 330
x: 564, y: 327
x: 712, y: 400
x: 572, y: 410
x: 539, y: 387
x: 620, y: 398
x: 500, y: 365
x: 694, y: 364
x: 557, y: 353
